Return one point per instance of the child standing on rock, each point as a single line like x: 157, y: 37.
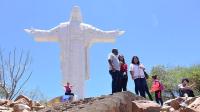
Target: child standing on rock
x: 157, y: 87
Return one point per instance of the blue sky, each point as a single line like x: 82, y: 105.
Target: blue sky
x: 158, y: 31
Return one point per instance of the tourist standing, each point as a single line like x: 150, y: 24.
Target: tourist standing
x: 147, y: 91
x: 137, y: 74
x: 146, y: 86
x: 123, y: 72
x: 157, y: 87
x: 114, y: 70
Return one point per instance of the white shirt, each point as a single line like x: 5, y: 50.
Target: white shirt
x: 180, y: 86
x: 137, y: 70
x: 115, y: 61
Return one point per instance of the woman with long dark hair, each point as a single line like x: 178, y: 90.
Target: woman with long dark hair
x: 123, y: 72
x: 137, y: 74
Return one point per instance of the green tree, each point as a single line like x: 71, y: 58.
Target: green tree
x: 194, y: 75
x: 171, y: 77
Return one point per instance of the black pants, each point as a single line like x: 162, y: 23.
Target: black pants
x: 158, y: 97
x: 140, y: 86
x: 189, y: 92
x: 67, y: 93
x: 124, y: 80
x: 147, y: 91
x: 116, y: 86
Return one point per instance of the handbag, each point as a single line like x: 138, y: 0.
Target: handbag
x: 146, y: 75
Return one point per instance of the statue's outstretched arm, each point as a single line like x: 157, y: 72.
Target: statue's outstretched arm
x: 43, y: 35
x: 96, y: 35
x: 104, y: 36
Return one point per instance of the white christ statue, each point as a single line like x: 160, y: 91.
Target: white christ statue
x: 75, y: 38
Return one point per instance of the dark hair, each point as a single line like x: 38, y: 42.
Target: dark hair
x: 133, y: 60
x: 185, y: 79
x: 154, y: 77
x: 123, y: 60
x: 114, y: 50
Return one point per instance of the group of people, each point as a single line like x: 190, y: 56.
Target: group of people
x: 118, y: 71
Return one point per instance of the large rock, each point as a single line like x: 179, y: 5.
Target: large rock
x: 175, y: 103
x: 20, y: 104
x: 145, y: 106
x: 195, y: 105
x: 21, y: 99
x: 165, y: 108
x: 21, y: 108
x: 125, y: 102
x: 37, y: 106
x: 183, y: 104
x: 5, y: 109
x: 118, y: 102
x: 186, y: 110
x: 3, y: 102
x: 189, y: 100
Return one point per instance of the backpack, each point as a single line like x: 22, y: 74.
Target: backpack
x: 146, y: 75
x: 161, y: 86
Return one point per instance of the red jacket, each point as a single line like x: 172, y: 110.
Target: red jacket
x: 155, y: 86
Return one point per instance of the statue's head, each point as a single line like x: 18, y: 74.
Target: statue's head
x: 76, y: 14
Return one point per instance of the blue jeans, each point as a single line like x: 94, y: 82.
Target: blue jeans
x: 140, y: 86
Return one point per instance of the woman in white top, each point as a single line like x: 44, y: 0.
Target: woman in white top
x: 137, y: 74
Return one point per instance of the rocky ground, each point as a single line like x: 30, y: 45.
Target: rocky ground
x: 20, y: 104
x: 118, y: 102
x: 126, y: 102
